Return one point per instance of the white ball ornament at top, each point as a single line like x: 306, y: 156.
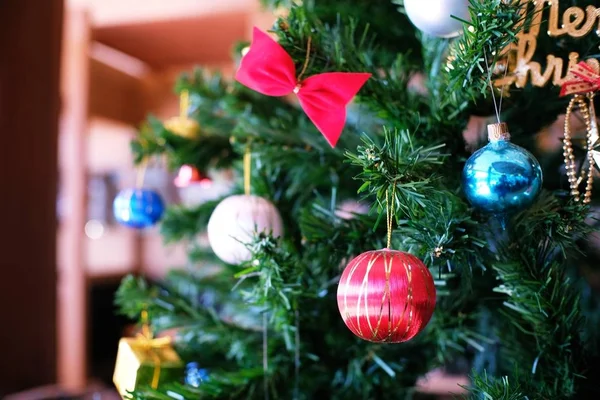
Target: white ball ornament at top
x: 234, y: 223
x: 434, y: 17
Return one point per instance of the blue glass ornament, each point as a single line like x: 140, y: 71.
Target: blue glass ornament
x: 501, y: 177
x: 194, y: 375
x: 138, y: 208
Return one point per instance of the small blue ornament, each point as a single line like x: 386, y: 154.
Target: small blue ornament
x: 194, y: 375
x: 138, y: 208
x: 501, y: 177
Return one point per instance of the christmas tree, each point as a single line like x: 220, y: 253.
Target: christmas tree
x: 508, y: 257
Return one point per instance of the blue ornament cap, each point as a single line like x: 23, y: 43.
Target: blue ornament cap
x: 501, y: 177
x: 138, y: 208
x: 194, y: 375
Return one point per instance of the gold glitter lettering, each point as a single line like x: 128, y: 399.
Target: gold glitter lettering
x: 576, y: 23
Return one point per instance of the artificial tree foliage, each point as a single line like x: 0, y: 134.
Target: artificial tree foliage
x: 512, y: 299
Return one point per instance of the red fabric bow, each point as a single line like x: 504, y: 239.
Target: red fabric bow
x: 269, y: 70
x: 582, y: 78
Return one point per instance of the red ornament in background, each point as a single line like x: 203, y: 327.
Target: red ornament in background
x: 189, y: 175
x: 386, y: 296
x: 269, y: 70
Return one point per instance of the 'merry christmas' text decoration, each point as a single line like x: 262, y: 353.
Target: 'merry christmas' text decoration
x: 576, y: 23
x: 269, y: 70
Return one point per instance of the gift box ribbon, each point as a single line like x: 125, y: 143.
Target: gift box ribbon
x: 150, y: 345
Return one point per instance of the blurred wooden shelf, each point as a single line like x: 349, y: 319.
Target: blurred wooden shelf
x: 105, y: 13
x: 161, y: 44
x: 120, y: 61
x: 114, y: 94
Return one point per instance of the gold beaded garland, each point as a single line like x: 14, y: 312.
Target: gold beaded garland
x: 589, y: 116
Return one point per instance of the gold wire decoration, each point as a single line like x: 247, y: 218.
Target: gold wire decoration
x: 585, y: 103
x: 306, y: 59
x: 390, y: 208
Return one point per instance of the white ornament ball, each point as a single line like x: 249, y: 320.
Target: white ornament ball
x: 434, y: 17
x: 234, y: 223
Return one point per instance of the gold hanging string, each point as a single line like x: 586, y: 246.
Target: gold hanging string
x: 247, y: 169
x: 306, y: 59
x: 592, y: 135
x: 497, y: 107
x: 141, y: 174
x: 146, y: 325
x: 489, y: 79
x: 390, y: 213
x: 503, y: 89
x: 184, y: 104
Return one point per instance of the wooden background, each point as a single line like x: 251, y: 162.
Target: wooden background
x: 30, y: 36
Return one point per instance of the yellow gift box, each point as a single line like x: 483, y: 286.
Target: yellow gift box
x: 145, y: 361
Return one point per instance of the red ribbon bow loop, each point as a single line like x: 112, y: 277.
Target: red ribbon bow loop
x: 582, y: 79
x: 269, y: 70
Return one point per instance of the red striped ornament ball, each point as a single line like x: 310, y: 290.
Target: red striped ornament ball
x: 386, y: 296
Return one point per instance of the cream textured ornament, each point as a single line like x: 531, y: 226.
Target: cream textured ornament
x: 434, y: 17
x: 236, y: 220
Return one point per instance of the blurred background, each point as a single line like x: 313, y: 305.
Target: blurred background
x: 76, y: 79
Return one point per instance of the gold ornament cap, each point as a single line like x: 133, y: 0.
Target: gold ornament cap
x: 187, y: 128
x: 498, y: 132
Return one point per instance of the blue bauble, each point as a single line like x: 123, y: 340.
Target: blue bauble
x: 138, y: 208
x: 501, y: 177
x: 194, y: 375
